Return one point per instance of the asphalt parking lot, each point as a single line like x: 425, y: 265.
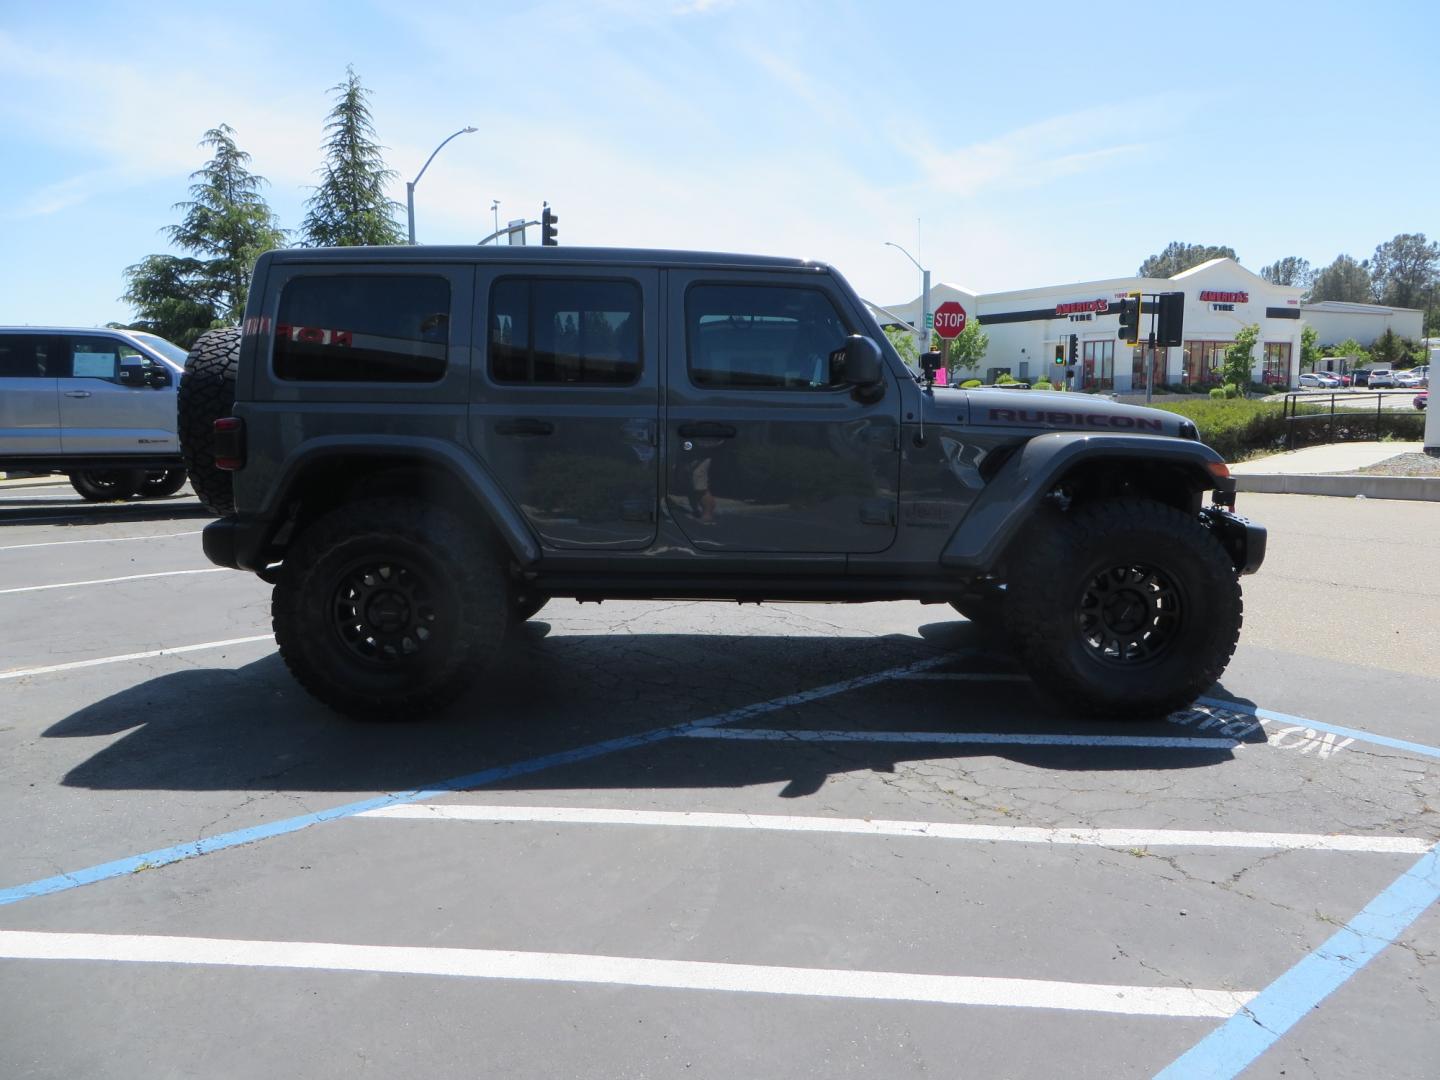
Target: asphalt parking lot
x: 710, y: 840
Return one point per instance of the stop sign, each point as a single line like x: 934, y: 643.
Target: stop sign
x: 949, y: 319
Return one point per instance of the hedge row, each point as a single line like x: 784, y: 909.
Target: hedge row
x: 1238, y: 428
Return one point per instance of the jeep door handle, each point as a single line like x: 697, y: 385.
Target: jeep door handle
x: 525, y: 427
x: 706, y: 429
x: 77, y: 393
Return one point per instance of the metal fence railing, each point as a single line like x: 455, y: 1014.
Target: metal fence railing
x: 1341, y: 411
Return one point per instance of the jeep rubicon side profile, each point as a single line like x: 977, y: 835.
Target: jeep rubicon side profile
x: 419, y: 446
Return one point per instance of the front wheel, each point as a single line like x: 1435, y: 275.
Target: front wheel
x: 161, y: 485
x: 107, y: 485
x: 1124, y: 608
x: 388, y: 608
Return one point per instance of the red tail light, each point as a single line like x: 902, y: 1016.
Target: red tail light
x: 230, y: 443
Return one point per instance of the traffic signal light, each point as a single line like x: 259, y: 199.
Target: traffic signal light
x: 1074, y: 349
x: 1059, y: 355
x: 1170, y: 328
x: 548, y: 232
x: 1130, y: 318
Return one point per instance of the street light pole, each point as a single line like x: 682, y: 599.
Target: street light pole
x: 922, y: 330
x: 410, y: 185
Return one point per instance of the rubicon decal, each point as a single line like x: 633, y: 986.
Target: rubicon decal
x: 1061, y: 418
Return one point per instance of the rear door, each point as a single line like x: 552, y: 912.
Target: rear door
x: 565, y: 399
x: 29, y: 403
x: 106, y: 405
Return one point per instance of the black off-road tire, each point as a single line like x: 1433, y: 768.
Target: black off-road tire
x: 1123, y: 608
x: 207, y: 392
x: 107, y: 485
x: 161, y: 485
x: 387, y: 608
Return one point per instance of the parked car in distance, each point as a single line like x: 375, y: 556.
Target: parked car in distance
x: 1410, y: 379
x: 1318, y: 380
x: 1422, y: 399
x: 1382, y: 377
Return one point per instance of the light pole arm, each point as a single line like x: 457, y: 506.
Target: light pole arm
x: 410, y: 185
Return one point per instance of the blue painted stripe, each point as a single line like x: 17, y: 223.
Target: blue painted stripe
x: 163, y: 856
x: 1230, y: 1049
x: 1347, y: 732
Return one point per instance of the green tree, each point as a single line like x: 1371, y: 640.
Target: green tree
x: 227, y: 224
x: 1178, y: 257
x: 1239, y: 357
x: 1290, y: 270
x: 965, y: 351
x: 904, y: 342
x: 1403, y: 271
x: 1309, y: 351
x: 1388, y: 349
x: 1344, y: 279
x: 1354, y: 350
x: 350, y: 206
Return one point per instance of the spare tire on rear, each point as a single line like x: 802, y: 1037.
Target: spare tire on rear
x: 207, y: 392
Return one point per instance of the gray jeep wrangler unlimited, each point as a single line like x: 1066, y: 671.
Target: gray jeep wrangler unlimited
x: 419, y: 446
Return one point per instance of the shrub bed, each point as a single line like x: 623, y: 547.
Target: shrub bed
x: 1237, y: 428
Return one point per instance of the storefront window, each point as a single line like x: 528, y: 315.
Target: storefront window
x: 1097, y: 366
x: 1277, y: 363
x: 1203, y: 361
x: 1137, y: 367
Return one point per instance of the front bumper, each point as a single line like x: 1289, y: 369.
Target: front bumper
x: 1242, y: 538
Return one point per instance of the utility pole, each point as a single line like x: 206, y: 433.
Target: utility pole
x: 923, y: 325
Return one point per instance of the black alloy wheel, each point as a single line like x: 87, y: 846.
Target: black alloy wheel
x: 1130, y: 615
x: 107, y: 485
x: 385, y: 612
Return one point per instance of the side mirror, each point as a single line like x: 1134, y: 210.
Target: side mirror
x: 857, y: 363
x: 159, y: 377
x: 130, y: 374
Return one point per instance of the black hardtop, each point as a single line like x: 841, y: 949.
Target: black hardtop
x: 579, y: 256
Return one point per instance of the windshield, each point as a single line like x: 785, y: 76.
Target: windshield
x: 168, y: 349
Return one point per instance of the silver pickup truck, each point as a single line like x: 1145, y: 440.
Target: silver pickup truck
x: 98, y: 405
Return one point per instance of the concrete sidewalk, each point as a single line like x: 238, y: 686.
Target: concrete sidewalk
x: 1321, y: 470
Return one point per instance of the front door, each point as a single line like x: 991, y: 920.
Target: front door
x: 29, y: 406
x: 106, y: 405
x: 765, y: 452
x: 565, y: 400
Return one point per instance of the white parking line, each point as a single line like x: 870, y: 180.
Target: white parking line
x: 1179, y: 1001
x: 967, y: 738
x: 75, y: 665
x: 962, y: 676
x: 937, y: 830
x: 111, y: 580
x: 102, y: 540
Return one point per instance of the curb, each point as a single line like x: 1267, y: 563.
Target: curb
x: 1418, y: 488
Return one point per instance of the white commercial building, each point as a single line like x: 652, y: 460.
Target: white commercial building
x: 1070, y: 333
x: 1078, y: 325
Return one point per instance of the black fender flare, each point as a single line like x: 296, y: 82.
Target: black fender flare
x: 474, y: 480
x: 1014, y: 493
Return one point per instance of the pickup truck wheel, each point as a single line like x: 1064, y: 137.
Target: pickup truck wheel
x: 1124, y: 608
x: 388, y: 608
x: 107, y: 485
x: 207, y: 392
x: 160, y: 485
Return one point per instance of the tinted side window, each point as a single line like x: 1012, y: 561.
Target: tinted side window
x: 26, y: 356
x: 363, y: 329
x: 761, y: 336
x: 553, y: 330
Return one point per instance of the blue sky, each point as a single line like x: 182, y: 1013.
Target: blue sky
x: 1034, y: 143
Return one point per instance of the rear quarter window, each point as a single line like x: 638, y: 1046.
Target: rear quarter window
x: 372, y: 328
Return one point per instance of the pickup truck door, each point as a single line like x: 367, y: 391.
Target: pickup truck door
x: 764, y: 452
x: 106, y: 405
x: 29, y: 404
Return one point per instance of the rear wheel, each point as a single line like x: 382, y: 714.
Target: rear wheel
x: 1124, y: 608
x: 388, y: 608
x: 160, y: 485
x: 207, y: 392
x: 107, y: 485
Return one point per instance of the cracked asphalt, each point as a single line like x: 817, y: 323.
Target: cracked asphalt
x: 122, y: 758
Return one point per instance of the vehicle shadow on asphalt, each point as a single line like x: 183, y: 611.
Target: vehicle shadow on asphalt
x: 54, y: 511
x: 253, y: 728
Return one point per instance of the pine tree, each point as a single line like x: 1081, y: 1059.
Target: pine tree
x: 227, y: 224
x: 350, y: 206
